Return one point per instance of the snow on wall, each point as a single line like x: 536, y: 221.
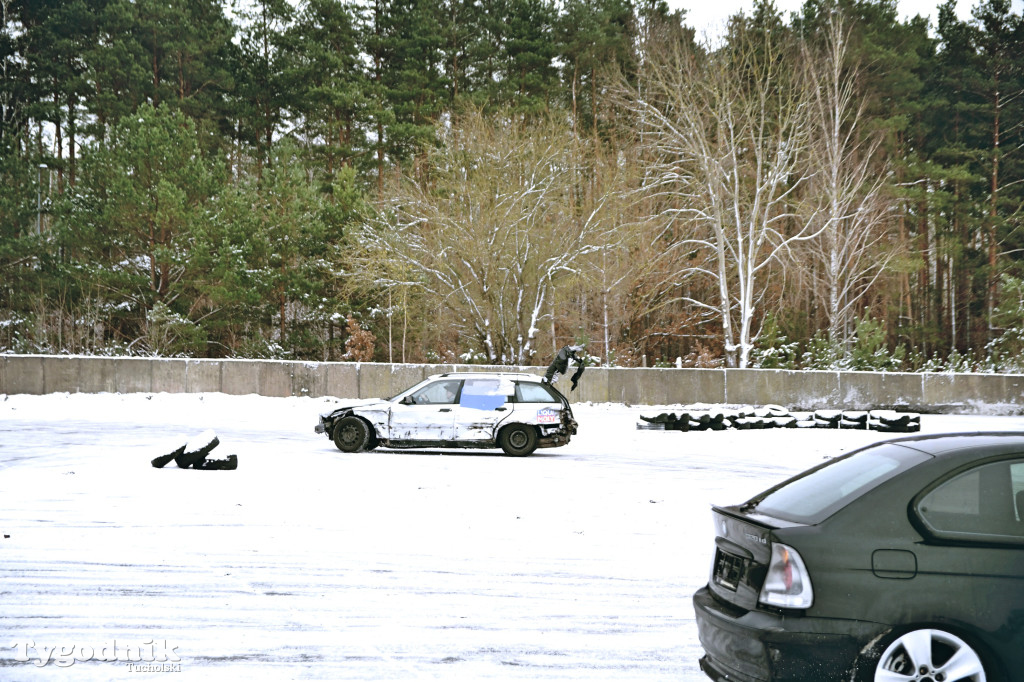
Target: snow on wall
x: 993, y: 394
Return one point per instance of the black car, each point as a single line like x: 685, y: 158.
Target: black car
x: 901, y: 561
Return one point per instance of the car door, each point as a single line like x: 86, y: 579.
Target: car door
x: 975, y: 523
x: 426, y: 415
x: 483, y: 404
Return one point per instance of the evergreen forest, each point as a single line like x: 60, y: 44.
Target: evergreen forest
x: 486, y: 181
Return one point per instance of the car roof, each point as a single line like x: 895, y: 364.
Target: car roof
x: 988, y: 443
x: 523, y: 376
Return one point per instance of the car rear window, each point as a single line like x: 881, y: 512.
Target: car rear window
x: 817, y: 494
x: 527, y: 392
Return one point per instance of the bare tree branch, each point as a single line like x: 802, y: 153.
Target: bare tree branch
x: 494, y: 227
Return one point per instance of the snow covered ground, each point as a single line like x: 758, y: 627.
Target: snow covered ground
x: 574, y: 564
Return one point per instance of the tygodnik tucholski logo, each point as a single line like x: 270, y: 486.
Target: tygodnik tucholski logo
x: 146, y: 656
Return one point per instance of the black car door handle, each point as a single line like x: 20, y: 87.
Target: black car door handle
x: 445, y: 409
x: 500, y: 409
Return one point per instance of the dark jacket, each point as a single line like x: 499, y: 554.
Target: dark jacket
x: 560, y: 364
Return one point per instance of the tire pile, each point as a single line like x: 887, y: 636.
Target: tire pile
x: 774, y: 417
x: 194, y: 454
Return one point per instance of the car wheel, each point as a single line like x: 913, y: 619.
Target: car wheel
x: 929, y: 655
x: 352, y: 434
x: 518, y: 440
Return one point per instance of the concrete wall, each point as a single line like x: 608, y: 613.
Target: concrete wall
x: 945, y: 393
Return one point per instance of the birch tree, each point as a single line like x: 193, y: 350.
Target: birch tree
x: 848, y: 190
x: 492, y: 231
x: 724, y: 137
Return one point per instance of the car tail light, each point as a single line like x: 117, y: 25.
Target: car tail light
x: 787, y: 585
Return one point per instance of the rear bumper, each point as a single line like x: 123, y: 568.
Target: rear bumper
x: 553, y: 441
x: 757, y: 646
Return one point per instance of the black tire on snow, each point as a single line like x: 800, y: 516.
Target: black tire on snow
x: 518, y: 440
x: 229, y: 464
x: 163, y: 460
x: 191, y: 458
x: 352, y: 434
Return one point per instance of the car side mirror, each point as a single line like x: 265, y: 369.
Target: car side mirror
x: 407, y: 400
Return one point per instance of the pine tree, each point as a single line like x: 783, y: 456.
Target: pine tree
x: 463, y: 48
x: 262, y: 94
x: 999, y: 44
x: 405, y: 42
x: 118, y: 68
x: 188, y: 50
x: 329, y: 84
x: 143, y: 196
x: 59, y: 33
x: 526, y: 51
x: 595, y: 36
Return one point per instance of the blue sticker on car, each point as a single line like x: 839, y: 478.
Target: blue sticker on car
x: 485, y: 394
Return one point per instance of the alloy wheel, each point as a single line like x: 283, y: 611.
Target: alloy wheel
x: 929, y: 656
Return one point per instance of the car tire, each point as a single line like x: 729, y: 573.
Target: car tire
x: 924, y: 654
x: 352, y: 434
x: 518, y: 440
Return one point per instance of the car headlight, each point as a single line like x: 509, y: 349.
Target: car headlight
x: 788, y: 584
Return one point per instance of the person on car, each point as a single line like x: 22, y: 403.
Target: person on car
x: 560, y: 365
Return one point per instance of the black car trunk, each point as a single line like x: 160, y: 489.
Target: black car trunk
x: 742, y: 555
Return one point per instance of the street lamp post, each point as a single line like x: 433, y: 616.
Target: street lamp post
x: 39, y: 200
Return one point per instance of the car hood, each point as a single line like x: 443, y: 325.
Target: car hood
x: 353, y: 404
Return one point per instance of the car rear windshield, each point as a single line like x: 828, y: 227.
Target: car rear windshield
x: 817, y: 494
x: 528, y: 392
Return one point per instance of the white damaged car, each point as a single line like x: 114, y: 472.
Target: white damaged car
x: 517, y: 412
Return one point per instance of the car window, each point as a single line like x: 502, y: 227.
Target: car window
x: 438, y: 393
x: 980, y: 503
x: 817, y: 494
x: 486, y: 394
x: 528, y: 392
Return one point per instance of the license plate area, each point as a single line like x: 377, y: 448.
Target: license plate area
x: 729, y: 570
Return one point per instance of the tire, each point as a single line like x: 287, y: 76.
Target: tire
x: 929, y: 654
x: 352, y: 434
x: 518, y: 440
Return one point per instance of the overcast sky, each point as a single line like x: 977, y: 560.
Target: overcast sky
x: 710, y: 15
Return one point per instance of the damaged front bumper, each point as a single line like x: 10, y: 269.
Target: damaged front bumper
x: 326, y: 423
